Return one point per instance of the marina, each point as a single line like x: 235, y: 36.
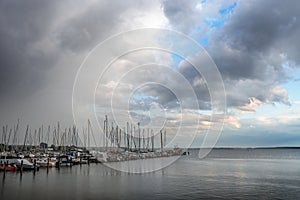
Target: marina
x: 67, y: 148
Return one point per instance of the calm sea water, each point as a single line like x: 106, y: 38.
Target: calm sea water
x: 224, y: 174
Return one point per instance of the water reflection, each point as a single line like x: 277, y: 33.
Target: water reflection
x: 3, y: 183
x: 188, y: 178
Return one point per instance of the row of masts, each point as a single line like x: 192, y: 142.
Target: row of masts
x: 129, y: 138
x: 56, y: 136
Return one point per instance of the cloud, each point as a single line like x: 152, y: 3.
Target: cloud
x: 191, y: 14
x: 96, y: 21
x: 26, y: 52
x: 251, y: 106
x: 265, y: 120
x: 254, y: 45
x: 296, y: 102
x: 43, y: 44
x: 279, y: 94
x: 176, y: 12
x: 250, y: 49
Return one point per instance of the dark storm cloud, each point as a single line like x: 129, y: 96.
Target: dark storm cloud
x: 254, y: 45
x: 255, y: 38
x: 83, y: 31
x: 182, y: 15
x: 34, y: 35
x: 197, y: 83
x: 258, y: 38
x: 43, y: 43
x: 258, y: 26
x: 31, y: 42
x: 23, y: 23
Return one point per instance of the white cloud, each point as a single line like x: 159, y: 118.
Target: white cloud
x: 265, y: 120
x: 251, y: 106
x: 278, y: 120
x: 296, y: 102
x: 278, y: 93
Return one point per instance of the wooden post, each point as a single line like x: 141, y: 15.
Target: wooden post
x: 34, y: 167
x: 48, y: 160
x: 21, y: 170
x: 58, y: 166
x: 4, y: 170
x: 5, y: 167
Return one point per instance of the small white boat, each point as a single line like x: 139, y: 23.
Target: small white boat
x: 31, y: 155
x: 21, y: 156
x: 43, y: 162
x: 100, y: 156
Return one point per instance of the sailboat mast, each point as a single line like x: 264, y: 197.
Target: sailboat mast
x: 161, y: 141
x: 25, y: 138
x: 139, y: 138
x: 88, y: 134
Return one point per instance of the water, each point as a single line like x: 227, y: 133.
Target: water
x: 224, y: 174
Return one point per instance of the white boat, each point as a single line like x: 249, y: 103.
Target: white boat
x: 21, y: 156
x: 43, y: 162
x: 31, y: 155
x: 100, y: 156
x: 26, y: 164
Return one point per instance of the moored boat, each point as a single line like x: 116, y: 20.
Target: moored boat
x: 100, y: 156
x: 46, y: 162
x: 24, y: 164
x: 64, y: 161
x: 9, y: 167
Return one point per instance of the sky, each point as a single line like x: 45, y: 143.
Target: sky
x: 53, y: 53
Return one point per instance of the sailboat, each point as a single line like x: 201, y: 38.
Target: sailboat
x: 26, y: 164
